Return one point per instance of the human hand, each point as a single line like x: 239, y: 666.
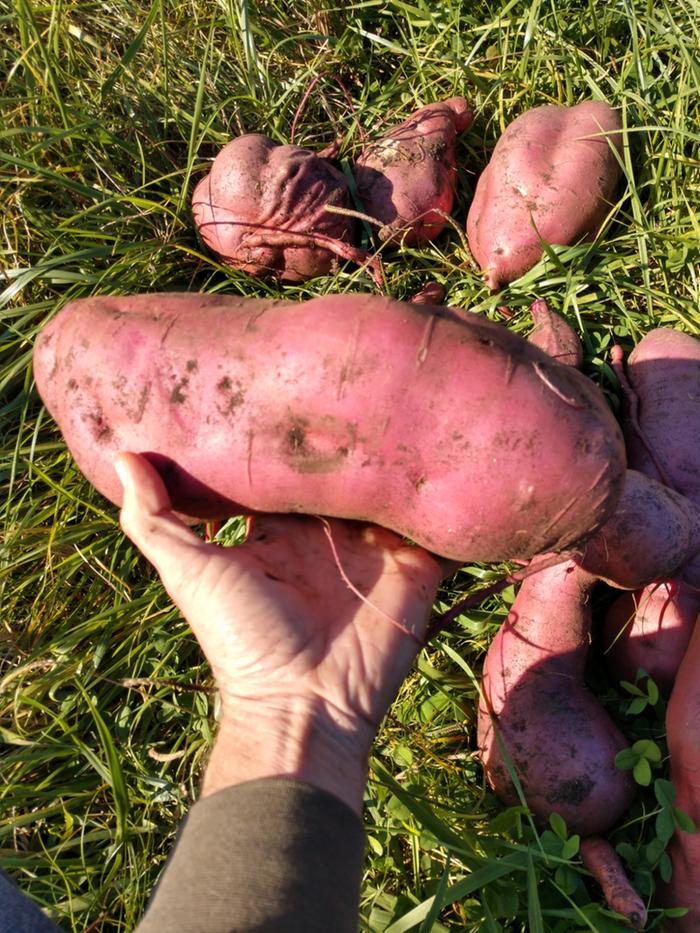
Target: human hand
x: 305, y: 667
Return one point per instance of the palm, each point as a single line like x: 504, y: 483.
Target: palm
x: 275, y: 616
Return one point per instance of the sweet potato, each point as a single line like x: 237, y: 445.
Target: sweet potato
x: 533, y: 691
x: 603, y: 863
x: 664, y: 372
x: 683, y: 734
x: 552, y: 176
x: 650, y: 629
x: 433, y: 422
x: 652, y: 533
x: 406, y: 179
x: 554, y: 335
x: 263, y: 209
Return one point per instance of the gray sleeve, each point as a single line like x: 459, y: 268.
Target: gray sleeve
x: 19, y: 914
x: 269, y: 856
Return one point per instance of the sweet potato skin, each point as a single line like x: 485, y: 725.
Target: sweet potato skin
x: 664, y: 371
x: 533, y: 689
x: 604, y: 864
x: 429, y: 421
x: 554, y: 335
x: 406, y: 179
x: 261, y: 201
x: 650, y: 629
x: 683, y: 735
x: 540, y: 174
x: 652, y: 533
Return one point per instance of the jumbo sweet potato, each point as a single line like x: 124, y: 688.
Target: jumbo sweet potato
x: 552, y: 176
x: 536, y: 711
x: 406, y: 179
x: 263, y: 209
x: 433, y: 422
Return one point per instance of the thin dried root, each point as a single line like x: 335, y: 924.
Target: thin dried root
x: 351, y: 586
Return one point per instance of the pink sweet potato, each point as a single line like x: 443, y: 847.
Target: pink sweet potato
x: 406, y: 179
x: 604, y: 864
x: 652, y: 533
x: 662, y: 423
x: 683, y: 734
x: 552, y: 177
x: 650, y: 629
x: 433, y: 422
x: 533, y: 691
x: 664, y: 372
x: 263, y: 209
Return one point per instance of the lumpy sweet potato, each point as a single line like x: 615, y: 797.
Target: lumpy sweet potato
x: 435, y: 423
x: 406, y: 179
x: 536, y: 712
x: 263, y: 209
x: 552, y: 176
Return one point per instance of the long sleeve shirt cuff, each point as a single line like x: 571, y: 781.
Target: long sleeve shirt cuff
x: 267, y: 855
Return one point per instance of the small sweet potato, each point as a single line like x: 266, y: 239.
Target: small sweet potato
x: 554, y: 335
x: 406, y: 179
x: 433, y: 422
x: 650, y: 629
x: 263, y: 209
x: 536, y: 710
x: 604, y: 864
x: 552, y: 176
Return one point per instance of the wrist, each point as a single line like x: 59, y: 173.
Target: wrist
x: 294, y: 737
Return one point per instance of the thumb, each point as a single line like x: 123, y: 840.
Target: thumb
x: 148, y: 520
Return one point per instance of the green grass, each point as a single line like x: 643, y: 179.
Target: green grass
x: 109, y: 115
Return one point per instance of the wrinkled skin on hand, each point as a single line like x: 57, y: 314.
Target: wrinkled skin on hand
x: 262, y: 209
x: 406, y: 179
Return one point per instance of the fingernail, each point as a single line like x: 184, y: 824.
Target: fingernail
x: 122, y: 471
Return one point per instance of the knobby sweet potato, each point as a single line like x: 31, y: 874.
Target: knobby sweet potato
x: 406, y: 179
x: 662, y: 423
x: 433, y: 422
x: 536, y: 711
x: 263, y: 209
x: 552, y: 176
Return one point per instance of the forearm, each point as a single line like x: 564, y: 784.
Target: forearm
x: 306, y: 741
x: 275, y: 841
